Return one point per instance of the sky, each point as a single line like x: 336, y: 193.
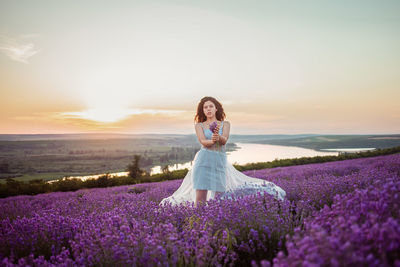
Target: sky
x: 277, y: 67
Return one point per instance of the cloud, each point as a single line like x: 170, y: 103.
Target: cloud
x: 101, y: 116
x: 136, y: 120
x: 106, y: 114
x: 18, y: 49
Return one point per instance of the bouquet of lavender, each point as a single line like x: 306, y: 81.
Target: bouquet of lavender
x: 213, y: 126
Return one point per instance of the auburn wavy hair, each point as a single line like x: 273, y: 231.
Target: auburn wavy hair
x: 201, y: 117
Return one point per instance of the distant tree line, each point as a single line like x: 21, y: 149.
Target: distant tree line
x: 89, y: 151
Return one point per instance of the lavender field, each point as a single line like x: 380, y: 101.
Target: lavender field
x: 335, y: 214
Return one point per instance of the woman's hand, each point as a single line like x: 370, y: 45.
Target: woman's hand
x: 215, y: 137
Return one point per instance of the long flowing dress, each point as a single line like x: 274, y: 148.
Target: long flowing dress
x: 212, y: 171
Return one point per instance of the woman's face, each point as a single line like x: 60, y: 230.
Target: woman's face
x: 209, y: 109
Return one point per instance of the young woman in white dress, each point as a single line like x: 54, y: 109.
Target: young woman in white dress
x: 211, y: 175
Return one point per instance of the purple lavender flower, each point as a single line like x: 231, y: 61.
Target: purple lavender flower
x: 213, y: 127
x: 335, y: 213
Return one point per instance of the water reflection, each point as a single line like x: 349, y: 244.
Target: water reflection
x: 263, y: 152
x: 95, y: 176
x: 173, y: 167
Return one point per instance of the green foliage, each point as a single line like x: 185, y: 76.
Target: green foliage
x: 134, y: 170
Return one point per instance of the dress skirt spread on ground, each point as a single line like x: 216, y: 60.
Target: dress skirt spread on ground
x: 212, y: 171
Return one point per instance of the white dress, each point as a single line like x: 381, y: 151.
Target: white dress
x: 236, y: 183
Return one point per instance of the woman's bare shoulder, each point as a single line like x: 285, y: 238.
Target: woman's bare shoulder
x: 227, y: 122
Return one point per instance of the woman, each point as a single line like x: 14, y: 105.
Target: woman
x: 211, y: 175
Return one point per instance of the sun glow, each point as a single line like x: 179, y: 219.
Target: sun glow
x: 109, y: 115
x: 102, y: 114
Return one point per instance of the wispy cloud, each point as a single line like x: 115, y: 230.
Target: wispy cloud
x: 18, y: 49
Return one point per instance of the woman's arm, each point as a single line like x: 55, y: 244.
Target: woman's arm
x: 200, y: 135
x: 225, y: 133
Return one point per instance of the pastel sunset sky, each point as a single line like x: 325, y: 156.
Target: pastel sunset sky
x: 278, y: 67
